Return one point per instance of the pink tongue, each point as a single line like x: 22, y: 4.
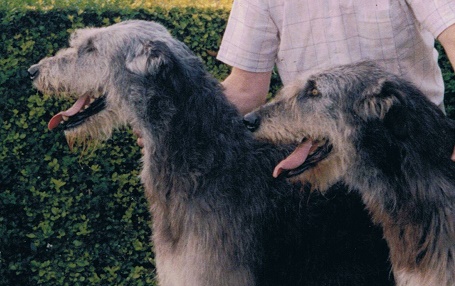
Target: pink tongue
x: 56, y: 119
x: 295, y: 159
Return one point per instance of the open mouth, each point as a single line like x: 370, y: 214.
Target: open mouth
x: 85, y: 107
x: 305, y: 156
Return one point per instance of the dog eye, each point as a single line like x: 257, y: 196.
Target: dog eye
x: 314, y: 92
x: 88, y: 48
x: 311, y: 89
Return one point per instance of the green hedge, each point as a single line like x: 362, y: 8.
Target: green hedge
x: 67, y: 219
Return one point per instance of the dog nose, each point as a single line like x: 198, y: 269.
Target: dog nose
x: 33, y: 71
x: 252, y: 121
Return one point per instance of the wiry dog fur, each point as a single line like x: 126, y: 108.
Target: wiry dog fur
x: 219, y: 218
x: 385, y: 139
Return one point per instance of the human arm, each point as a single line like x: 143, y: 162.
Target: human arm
x: 447, y: 40
x: 250, y: 45
x: 247, y: 90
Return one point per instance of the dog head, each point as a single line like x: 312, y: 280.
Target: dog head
x: 336, y: 119
x: 107, y: 72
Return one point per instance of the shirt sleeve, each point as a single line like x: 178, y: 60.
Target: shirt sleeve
x: 434, y: 15
x: 251, y: 39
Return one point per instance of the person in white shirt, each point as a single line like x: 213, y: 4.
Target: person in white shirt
x: 301, y: 36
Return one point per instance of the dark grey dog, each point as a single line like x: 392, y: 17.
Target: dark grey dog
x: 380, y: 135
x: 219, y: 218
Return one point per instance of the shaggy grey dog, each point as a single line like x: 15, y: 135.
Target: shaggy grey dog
x: 219, y: 218
x: 380, y: 135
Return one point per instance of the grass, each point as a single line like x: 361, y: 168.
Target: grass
x: 55, y: 4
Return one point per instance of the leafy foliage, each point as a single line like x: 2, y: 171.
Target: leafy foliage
x: 113, y: 4
x: 449, y: 82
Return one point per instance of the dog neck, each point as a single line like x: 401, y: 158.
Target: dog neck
x: 418, y: 217
x: 197, y: 135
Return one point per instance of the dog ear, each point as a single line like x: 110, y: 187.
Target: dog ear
x: 385, y: 102
x: 149, y: 58
x: 375, y: 102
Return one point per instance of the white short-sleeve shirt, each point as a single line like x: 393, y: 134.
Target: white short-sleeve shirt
x: 301, y: 36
